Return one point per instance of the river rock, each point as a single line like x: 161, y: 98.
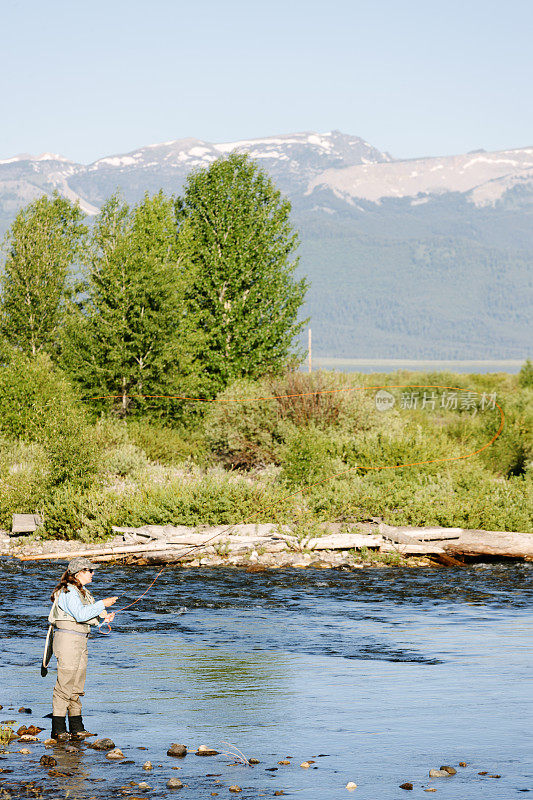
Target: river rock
x: 438, y: 773
x: 463, y: 764
x: 102, y: 744
x: 23, y: 710
x: 406, y: 785
x: 235, y: 788
x: 351, y: 786
x: 144, y: 786
x: 115, y: 755
x: 450, y: 770
x: 174, y: 783
x: 284, y: 761
x: 305, y: 764
x: 47, y: 761
x: 33, y: 730
x: 147, y: 765
x: 25, y: 751
x: 177, y: 750
x: 431, y: 789
x: 203, y: 750
x: 22, y: 730
x: 253, y: 761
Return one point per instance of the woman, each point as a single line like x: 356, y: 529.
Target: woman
x: 74, y: 610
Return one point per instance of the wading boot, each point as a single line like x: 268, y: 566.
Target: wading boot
x: 76, y: 728
x: 59, y: 729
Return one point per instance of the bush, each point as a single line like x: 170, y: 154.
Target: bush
x: 525, y: 376
x: 167, y: 445
x: 24, y: 478
x: 37, y: 404
x: 245, y: 432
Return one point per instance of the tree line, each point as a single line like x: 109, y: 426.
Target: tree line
x: 171, y: 296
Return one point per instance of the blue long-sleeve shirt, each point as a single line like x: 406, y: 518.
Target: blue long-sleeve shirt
x: 70, y: 602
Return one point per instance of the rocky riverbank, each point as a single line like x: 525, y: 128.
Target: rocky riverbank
x: 268, y: 546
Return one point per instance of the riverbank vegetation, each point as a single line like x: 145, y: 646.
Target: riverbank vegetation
x: 148, y: 376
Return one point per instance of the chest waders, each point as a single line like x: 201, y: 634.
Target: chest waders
x: 67, y: 640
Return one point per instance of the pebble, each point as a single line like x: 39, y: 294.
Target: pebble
x: 174, y: 783
x: 115, y: 755
x: 450, y: 770
x: 203, y: 750
x: 147, y: 765
x: 102, y: 744
x: 351, y: 786
x: 406, y: 785
x: 177, y: 750
x: 438, y: 773
x: 235, y: 788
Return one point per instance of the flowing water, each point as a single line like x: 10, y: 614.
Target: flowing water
x: 376, y: 675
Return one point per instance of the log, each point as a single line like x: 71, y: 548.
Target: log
x: 107, y: 551
x: 503, y: 544
x: 343, y: 541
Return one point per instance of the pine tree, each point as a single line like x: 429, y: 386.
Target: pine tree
x: 237, y: 246
x: 42, y: 245
x: 126, y: 334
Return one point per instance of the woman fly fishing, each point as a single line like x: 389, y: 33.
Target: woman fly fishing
x: 73, y: 612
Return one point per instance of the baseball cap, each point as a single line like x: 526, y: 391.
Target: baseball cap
x: 79, y: 563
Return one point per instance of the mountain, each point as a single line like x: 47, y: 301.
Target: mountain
x: 412, y: 258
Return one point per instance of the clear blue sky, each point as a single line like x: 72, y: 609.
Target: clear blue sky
x: 413, y: 77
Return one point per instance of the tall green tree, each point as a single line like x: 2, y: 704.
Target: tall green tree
x: 238, y: 250
x: 125, y: 334
x: 42, y: 245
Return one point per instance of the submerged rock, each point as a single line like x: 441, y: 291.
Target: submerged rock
x: 115, y: 755
x: 177, y: 750
x: 203, y: 750
x: 450, y: 770
x: 47, y: 761
x: 102, y: 744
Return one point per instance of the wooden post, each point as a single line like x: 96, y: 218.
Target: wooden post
x: 309, y: 351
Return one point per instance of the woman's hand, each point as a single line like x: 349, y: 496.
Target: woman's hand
x: 109, y: 601
x: 109, y: 617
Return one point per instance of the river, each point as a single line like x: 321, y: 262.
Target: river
x: 375, y: 675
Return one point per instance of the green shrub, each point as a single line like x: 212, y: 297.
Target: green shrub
x: 125, y: 460
x: 24, y: 478
x: 37, y: 404
x: 525, y: 376
x: 167, y: 445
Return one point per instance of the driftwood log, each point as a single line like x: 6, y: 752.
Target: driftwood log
x: 172, y: 544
